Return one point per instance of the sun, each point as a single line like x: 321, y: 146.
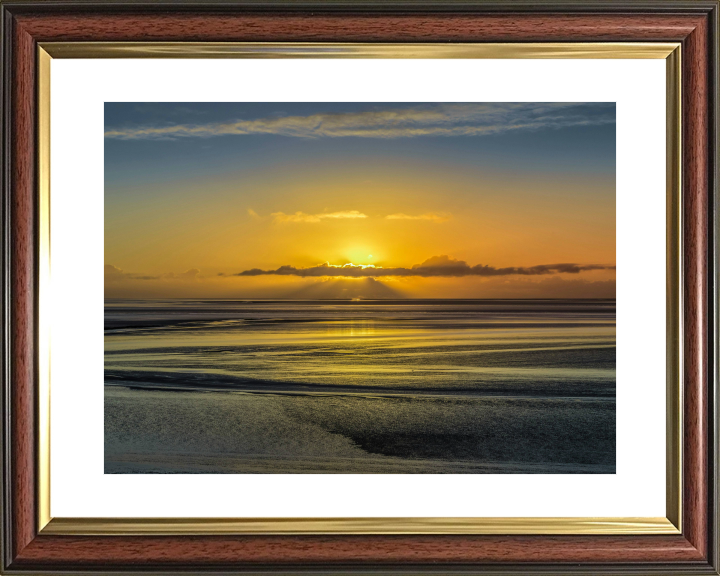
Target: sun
x: 361, y: 254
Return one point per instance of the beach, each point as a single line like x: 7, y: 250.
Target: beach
x: 386, y: 386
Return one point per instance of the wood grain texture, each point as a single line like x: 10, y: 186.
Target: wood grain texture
x: 696, y: 188
x: 22, y: 292
x: 223, y: 551
x: 320, y: 27
x: 687, y: 552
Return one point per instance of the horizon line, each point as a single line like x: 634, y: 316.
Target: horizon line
x: 344, y: 299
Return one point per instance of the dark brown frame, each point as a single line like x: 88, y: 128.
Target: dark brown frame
x: 694, y: 23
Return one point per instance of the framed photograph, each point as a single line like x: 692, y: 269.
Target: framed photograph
x: 360, y: 288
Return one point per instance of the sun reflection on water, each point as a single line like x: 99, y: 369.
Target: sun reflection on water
x: 351, y: 329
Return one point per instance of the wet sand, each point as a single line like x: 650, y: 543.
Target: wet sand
x: 150, y: 431
x: 328, y: 386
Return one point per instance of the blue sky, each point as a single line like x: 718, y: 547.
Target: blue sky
x: 572, y: 149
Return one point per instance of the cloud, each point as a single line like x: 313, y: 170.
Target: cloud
x: 253, y: 214
x: 441, y: 261
x: 191, y: 274
x: 302, y: 217
x: 433, y: 216
x: 459, y: 119
x: 432, y: 267
x: 115, y: 274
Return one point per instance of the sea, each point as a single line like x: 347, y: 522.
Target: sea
x: 360, y: 386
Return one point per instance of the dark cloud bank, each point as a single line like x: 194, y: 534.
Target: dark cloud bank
x: 437, y: 266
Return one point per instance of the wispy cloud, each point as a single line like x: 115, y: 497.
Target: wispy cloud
x: 435, y: 266
x: 192, y: 274
x: 114, y: 274
x: 253, y: 214
x: 303, y: 217
x: 462, y: 119
x: 432, y: 216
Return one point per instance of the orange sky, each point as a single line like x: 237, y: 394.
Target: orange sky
x: 512, y: 201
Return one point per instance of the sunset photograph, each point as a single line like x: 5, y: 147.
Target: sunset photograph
x: 360, y: 288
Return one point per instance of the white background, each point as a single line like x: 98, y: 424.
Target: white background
x: 79, y: 89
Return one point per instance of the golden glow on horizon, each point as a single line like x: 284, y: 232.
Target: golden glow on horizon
x: 499, y: 220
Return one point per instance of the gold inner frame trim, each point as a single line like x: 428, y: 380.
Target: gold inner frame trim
x: 43, y: 397
x: 609, y: 50
x: 674, y: 309
x: 296, y: 526
x: 288, y: 526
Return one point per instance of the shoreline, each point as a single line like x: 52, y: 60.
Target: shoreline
x: 190, y: 388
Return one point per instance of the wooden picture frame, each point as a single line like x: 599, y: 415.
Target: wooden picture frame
x: 32, y: 543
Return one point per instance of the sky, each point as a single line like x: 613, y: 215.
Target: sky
x: 360, y: 200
